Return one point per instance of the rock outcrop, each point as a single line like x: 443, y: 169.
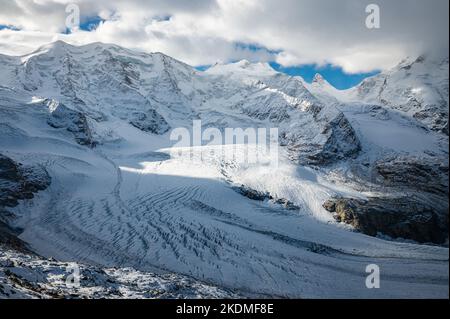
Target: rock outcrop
x: 62, y: 117
x: 150, y: 121
x: 397, y: 217
x: 425, y: 175
x: 17, y: 182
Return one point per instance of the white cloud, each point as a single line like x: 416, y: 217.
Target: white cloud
x: 202, y: 32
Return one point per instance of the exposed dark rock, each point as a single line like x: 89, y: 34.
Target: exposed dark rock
x: 73, y: 121
x: 252, y: 194
x: 419, y: 213
x: 9, y: 239
x: 399, y: 217
x: 150, y: 121
x: 377, y: 112
x: 330, y: 206
x: 339, y: 142
x: 17, y: 182
x: 429, y: 176
x: 262, y: 196
x: 286, y: 204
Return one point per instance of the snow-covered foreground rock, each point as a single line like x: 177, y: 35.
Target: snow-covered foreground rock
x: 97, y: 119
x: 27, y: 276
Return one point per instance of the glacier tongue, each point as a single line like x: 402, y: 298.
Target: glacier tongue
x: 126, y: 201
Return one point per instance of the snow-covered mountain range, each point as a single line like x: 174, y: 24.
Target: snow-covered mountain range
x: 87, y: 174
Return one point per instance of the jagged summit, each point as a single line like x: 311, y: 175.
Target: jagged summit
x: 318, y: 78
x: 320, y: 81
x: 417, y: 87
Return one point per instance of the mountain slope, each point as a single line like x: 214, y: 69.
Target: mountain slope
x: 97, y: 119
x: 153, y: 92
x: 417, y: 87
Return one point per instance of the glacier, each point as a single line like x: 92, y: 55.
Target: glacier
x: 97, y: 119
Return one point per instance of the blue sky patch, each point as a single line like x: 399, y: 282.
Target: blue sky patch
x: 254, y: 48
x: 202, y: 67
x: 334, y: 75
x: 159, y: 18
x: 90, y: 23
x: 87, y: 24
x: 8, y: 27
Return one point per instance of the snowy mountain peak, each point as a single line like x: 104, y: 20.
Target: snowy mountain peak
x: 55, y: 45
x: 244, y: 63
x: 319, y: 82
x: 418, y: 87
x: 55, y: 48
x: 318, y: 78
x: 243, y: 66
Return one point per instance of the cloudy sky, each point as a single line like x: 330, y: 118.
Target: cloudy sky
x: 291, y: 34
